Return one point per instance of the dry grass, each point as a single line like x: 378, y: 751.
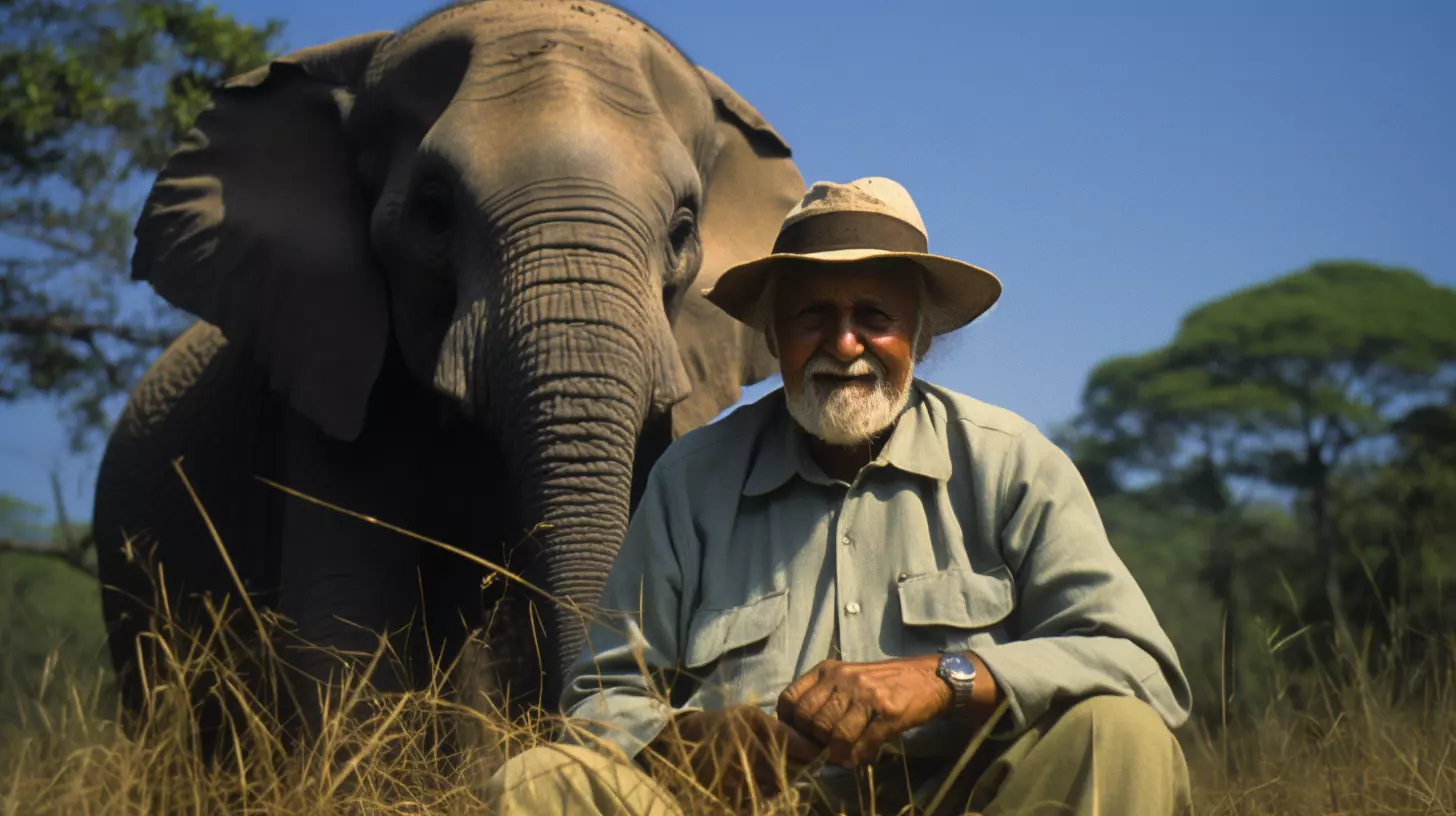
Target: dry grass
x: 1372, y: 746
x: 417, y: 752
x: 1338, y: 741
x: 1331, y: 741
x: 426, y: 751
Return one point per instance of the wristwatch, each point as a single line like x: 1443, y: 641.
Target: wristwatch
x: 959, y: 673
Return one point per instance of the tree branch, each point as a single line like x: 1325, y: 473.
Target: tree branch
x: 114, y: 377
x: 83, y: 331
x: 75, y: 558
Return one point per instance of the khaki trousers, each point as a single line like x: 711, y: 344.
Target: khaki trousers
x: 1104, y: 755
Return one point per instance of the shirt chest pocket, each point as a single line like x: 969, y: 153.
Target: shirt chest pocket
x: 955, y: 608
x: 739, y: 652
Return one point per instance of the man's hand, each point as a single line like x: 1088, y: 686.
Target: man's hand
x: 852, y: 708
x: 730, y: 749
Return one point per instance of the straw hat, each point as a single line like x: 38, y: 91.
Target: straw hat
x: 841, y: 224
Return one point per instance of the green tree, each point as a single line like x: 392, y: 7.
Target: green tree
x: 1277, y: 386
x: 49, y: 606
x: 1399, y: 519
x: 64, y: 541
x: 1168, y: 548
x: 93, y: 94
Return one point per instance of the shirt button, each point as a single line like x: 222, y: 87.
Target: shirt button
x: 901, y: 577
x: 845, y: 540
x: 851, y: 608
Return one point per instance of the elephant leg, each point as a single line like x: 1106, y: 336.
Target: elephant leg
x: 344, y: 582
x: 159, y: 565
x: 469, y: 507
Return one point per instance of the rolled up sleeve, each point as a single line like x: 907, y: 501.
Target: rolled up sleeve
x: 1083, y: 625
x: 611, y: 693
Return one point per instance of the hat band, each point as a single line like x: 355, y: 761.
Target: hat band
x: 850, y: 230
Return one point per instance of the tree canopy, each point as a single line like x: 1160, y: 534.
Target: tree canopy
x: 1278, y: 382
x: 1276, y: 388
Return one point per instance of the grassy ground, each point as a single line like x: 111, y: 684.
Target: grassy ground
x: 1331, y: 740
x: 1320, y: 745
x: 1337, y: 743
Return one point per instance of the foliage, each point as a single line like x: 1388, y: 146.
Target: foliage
x: 93, y: 94
x: 1273, y: 388
x: 1169, y: 549
x: 1398, y: 520
x: 50, y: 614
x: 1279, y: 381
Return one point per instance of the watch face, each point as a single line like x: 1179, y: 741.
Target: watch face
x: 956, y: 667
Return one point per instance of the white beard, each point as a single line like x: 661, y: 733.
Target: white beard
x: 850, y: 413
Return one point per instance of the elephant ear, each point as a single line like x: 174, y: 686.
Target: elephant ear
x: 258, y: 224
x: 750, y: 186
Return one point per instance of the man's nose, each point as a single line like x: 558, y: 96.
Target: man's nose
x: 845, y: 344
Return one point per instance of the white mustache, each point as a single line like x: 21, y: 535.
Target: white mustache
x: 836, y: 411
x: 864, y: 366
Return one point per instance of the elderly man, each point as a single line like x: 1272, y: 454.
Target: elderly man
x: 852, y: 585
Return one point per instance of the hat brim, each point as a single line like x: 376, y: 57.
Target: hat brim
x: 959, y: 291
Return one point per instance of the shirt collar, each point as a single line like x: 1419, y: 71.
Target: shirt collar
x: 916, y: 445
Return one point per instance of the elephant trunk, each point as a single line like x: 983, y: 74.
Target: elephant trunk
x: 580, y: 501
x: 571, y: 391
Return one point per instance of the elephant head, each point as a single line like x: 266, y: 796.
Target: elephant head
x: 524, y: 199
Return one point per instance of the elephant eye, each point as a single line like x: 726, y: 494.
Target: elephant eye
x: 682, y: 232
x: 685, y: 249
x: 435, y: 206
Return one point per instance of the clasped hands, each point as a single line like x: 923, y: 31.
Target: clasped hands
x: 848, y: 709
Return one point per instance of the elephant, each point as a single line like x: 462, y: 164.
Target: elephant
x: 448, y: 278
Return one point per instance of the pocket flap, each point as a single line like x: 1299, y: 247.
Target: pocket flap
x: 714, y: 632
x: 957, y: 597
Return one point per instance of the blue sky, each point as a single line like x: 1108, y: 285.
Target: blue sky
x: 1115, y: 163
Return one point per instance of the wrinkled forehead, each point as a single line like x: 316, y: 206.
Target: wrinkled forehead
x: 517, y: 46
x: 599, y: 28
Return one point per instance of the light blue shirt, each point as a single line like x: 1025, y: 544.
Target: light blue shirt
x: 970, y: 531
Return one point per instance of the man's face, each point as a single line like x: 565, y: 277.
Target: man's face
x: 845, y: 338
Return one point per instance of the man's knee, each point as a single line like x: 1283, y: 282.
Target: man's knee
x: 1127, y: 739
x: 1104, y: 754
x: 1114, y: 719
x: 558, y: 778
x: 543, y: 774
x: 552, y: 760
